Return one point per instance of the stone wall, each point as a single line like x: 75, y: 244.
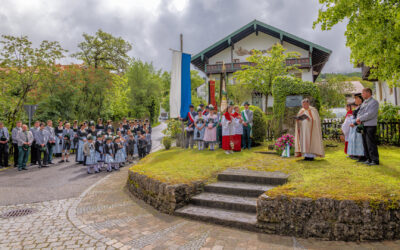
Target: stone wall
x: 162, y: 196
x: 328, y: 219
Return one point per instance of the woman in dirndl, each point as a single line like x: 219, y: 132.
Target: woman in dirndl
x: 99, y: 147
x: 59, y: 139
x: 82, y: 136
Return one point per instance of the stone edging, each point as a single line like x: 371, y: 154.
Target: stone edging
x: 328, y: 219
x: 71, y: 215
x: 162, y: 196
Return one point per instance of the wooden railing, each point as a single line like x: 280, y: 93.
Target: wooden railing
x: 233, y: 67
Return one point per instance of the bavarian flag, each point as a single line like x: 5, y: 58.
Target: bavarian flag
x: 180, y: 93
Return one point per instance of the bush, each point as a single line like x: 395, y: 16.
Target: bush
x: 167, y: 142
x: 259, y: 124
x: 174, y: 127
x: 389, y: 113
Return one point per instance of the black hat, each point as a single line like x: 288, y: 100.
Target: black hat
x: 199, y: 110
x: 246, y: 103
x: 207, y: 107
x: 191, y: 106
x: 201, y: 105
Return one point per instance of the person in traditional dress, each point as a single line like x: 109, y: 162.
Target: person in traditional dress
x: 346, y: 126
x: 247, y: 116
x: 308, y: 138
x: 110, y: 126
x: 99, y: 147
x: 142, y: 143
x: 227, y: 130
x: 100, y: 126
x: 82, y: 135
x: 75, y: 139
x: 148, y: 139
x: 67, y: 135
x: 210, y: 134
x: 35, y: 129
x: 90, y: 153
x: 92, y: 130
x: 200, y: 127
x: 109, y: 154
x: 59, y: 139
x: 119, y: 158
x: 121, y: 129
x: 367, y: 119
x: 130, y: 146
x: 4, y: 139
x: 52, y: 140
x: 123, y: 142
x: 24, y: 139
x: 238, y: 129
x: 190, y: 127
x: 42, y: 137
x: 14, y: 133
x: 355, y: 149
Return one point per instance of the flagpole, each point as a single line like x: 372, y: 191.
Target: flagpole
x: 182, y: 123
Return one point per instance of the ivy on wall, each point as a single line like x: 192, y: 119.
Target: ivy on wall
x: 285, y: 86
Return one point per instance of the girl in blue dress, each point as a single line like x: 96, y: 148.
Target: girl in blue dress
x: 119, y: 158
x: 99, y: 147
x: 90, y: 153
x: 355, y: 148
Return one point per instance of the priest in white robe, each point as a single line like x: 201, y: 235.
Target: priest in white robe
x: 308, y: 137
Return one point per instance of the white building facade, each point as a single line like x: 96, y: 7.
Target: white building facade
x: 233, y: 50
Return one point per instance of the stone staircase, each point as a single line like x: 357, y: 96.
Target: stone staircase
x: 232, y: 201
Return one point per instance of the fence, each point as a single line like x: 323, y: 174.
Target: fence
x: 387, y: 132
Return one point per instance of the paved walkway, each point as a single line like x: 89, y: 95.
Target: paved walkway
x: 106, y: 216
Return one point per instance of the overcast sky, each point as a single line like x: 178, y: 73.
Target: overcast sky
x: 153, y: 26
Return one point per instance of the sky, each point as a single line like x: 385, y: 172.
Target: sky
x: 153, y: 26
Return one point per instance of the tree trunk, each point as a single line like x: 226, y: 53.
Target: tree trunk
x: 266, y: 103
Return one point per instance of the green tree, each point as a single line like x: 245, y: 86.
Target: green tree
x: 105, y: 51
x: 238, y: 93
x: 23, y: 68
x: 117, y: 99
x: 145, y: 90
x: 261, y: 74
x: 333, y: 91
x: 372, y: 34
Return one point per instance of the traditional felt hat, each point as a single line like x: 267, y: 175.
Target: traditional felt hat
x: 117, y: 137
x: 201, y: 105
x: 191, y: 106
x: 246, y: 103
x: 90, y: 137
x: 231, y: 103
x: 199, y: 110
x: 210, y: 107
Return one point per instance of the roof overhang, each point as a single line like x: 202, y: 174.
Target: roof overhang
x: 319, y: 54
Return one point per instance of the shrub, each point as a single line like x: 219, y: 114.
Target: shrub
x: 167, y: 142
x: 259, y: 124
x: 389, y: 113
x: 174, y: 128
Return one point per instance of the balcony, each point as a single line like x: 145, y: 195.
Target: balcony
x: 232, y: 67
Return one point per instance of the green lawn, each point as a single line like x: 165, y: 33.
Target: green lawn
x: 335, y: 176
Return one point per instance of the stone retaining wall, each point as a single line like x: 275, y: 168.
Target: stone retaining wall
x: 328, y: 219
x: 162, y: 196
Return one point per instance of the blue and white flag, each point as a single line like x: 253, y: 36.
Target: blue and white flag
x: 180, y: 93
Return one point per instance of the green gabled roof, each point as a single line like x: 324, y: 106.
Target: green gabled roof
x: 269, y: 27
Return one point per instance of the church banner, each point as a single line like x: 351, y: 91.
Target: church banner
x: 180, y: 93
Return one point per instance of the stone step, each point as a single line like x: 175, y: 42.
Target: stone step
x: 237, y: 188
x: 249, y: 176
x: 220, y: 216
x: 225, y: 201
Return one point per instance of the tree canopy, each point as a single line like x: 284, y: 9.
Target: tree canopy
x: 372, y: 34
x: 261, y: 74
x: 105, y: 51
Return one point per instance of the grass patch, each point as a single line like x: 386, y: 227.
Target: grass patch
x: 335, y: 176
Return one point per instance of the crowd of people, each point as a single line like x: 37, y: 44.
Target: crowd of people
x: 230, y: 130
x: 97, y: 146
x: 360, y: 127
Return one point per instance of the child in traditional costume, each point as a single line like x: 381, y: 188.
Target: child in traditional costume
x: 210, y: 134
x: 346, y: 126
x: 100, y: 126
x: 68, y: 135
x: 227, y: 130
x: 119, y: 154
x: 99, y: 147
x: 90, y: 153
x: 199, y: 124
x: 75, y: 139
x: 142, y: 143
x: 238, y: 129
x: 130, y: 147
x: 148, y: 140
x: 109, y: 154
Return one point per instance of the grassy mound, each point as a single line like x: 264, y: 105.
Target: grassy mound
x: 334, y: 176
